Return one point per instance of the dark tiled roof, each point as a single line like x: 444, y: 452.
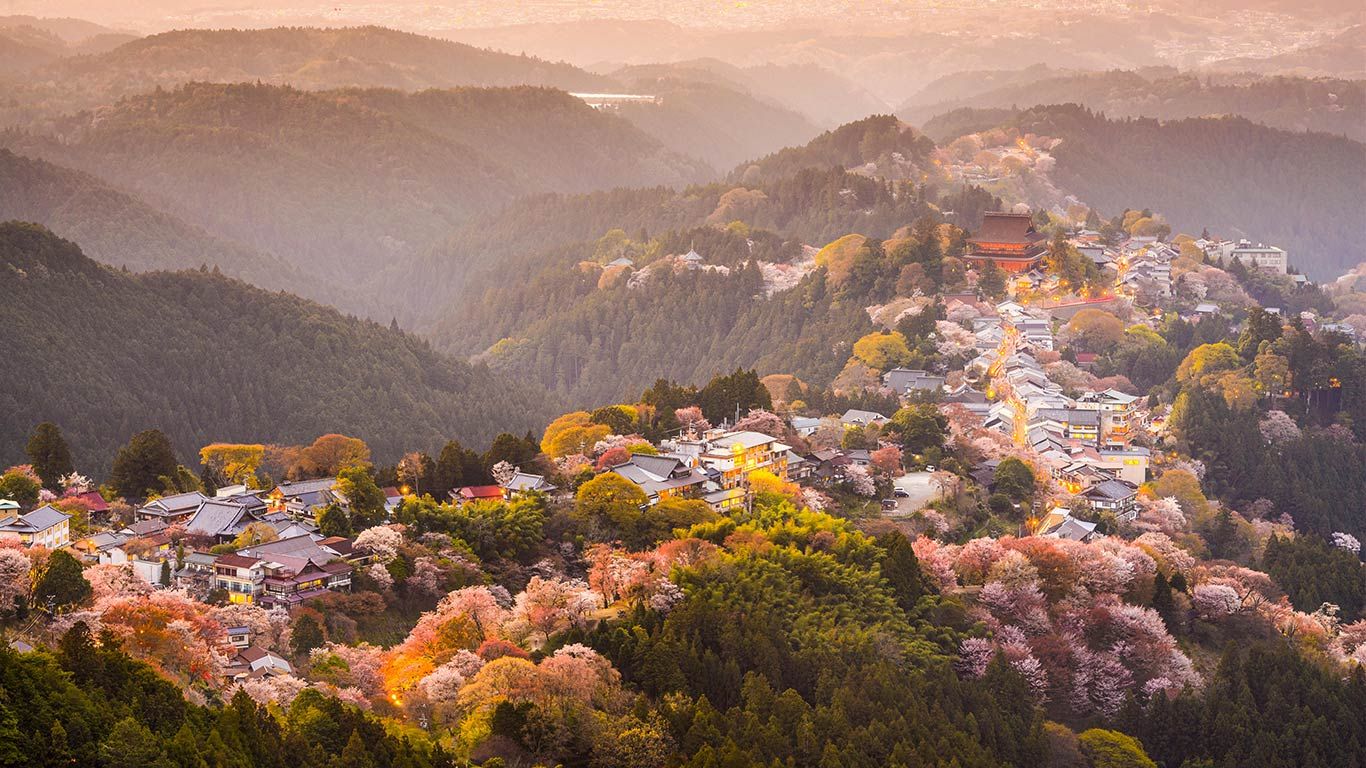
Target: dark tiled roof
x: 1007, y: 228
x: 38, y: 520
x: 1113, y: 490
x: 214, y: 518
x: 236, y: 561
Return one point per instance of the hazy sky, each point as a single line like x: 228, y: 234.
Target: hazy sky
x: 156, y: 15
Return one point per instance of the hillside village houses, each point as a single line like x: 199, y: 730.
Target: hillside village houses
x: 1092, y: 443
x: 45, y: 526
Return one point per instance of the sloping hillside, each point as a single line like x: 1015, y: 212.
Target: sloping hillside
x: 306, y: 58
x: 714, y: 122
x: 121, y: 230
x: 1300, y: 191
x: 894, y: 149
x: 1291, y: 103
x: 204, y: 357
x: 340, y: 183
x: 549, y: 140
x: 314, y: 58
x: 327, y: 186
x: 823, y: 97
x: 23, y: 49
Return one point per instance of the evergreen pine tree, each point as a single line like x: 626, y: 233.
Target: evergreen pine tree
x: 50, y: 455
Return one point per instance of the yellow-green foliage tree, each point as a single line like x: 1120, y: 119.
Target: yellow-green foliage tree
x: 1206, y: 362
x: 882, y: 351
x: 611, y: 501
x: 839, y: 256
x: 233, y: 462
x: 572, y: 433
x: 1112, y: 749
x: 1095, y: 330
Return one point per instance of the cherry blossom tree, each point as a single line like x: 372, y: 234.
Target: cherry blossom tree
x: 502, y: 472
x: 1100, y: 681
x: 548, y: 606
x: 665, y: 596
x: 1347, y: 541
x: 974, y: 654
x: 1164, y: 515
x: 762, y: 421
x: 428, y: 577
x: 954, y: 340
x: 1023, y: 605
x: 380, y: 575
x: 579, y: 673
x: 15, y: 579
x: 75, y: 483
x: 814, y: 500
x: 612, y: 572
x: 348, y: 666
x: 382, y: 541
x: 170, y: 631
x: 278, y: 689
x: 1214, y: 601
x: 269, y: 628
x: 937, y: 561
x: 573, y: 464
x: 860, y: 481
x: 443, y: 685
x: 691, y: 419
x: 976, y: 558
x: 1277, y: 427
x: 683, y: 553
x: 1169, y: 556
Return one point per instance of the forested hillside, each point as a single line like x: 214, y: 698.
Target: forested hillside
x: 1302, y: 192
x: 823, y: 97
x: 303, y: 57
x: 118, y: 229
x: 896, y: 150
x: 337, y: 183
x: 594, y: 332
x: 547, y: 140
x: 554, y: 232
x: 206, y: 358
x: 23, y: 48
x: 597, y: 334
x: 1291, y: 103
x: 714, y: 122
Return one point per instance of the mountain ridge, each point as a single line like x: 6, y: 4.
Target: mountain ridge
x: 215, y: 359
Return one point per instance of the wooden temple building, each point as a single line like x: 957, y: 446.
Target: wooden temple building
x: 1009, y: 239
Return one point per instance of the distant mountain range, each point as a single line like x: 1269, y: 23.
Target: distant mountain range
x: 1292, y: 103
x: 28, y: 42
x: 117, y: 228
x: 717, y: 114
x: 105, y: 354
x: 819, y: 95
x: 334, y: 183
x: 1301, y: 191
x: 1342, y: 55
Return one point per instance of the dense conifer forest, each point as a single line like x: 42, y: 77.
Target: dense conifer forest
x: 106, y: 353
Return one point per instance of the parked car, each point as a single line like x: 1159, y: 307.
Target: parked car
x: 889, y: 503
x: 901, y: 493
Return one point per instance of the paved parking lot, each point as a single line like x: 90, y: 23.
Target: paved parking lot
x: 921, y: 492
